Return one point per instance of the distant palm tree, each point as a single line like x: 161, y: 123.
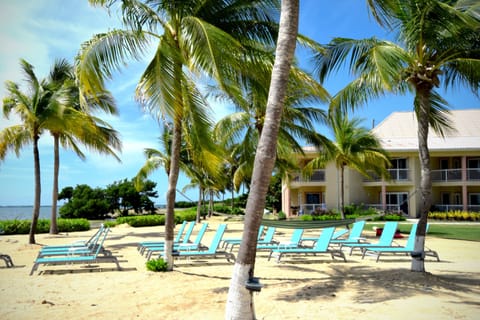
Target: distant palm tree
x: 71, y: 124
x: 436, y: 39
x: 215, y: 38
x: 34, y: 107
x: 352, y: 146
x: 240, y: 299
x: 241, y: 131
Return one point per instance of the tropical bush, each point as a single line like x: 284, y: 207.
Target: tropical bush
x: 43, y: 226
x: 455, y: 216
x: 157, y: 265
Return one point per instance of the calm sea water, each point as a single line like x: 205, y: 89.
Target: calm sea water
x: 23, y: 212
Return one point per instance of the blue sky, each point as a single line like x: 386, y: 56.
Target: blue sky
x: 42, y: 30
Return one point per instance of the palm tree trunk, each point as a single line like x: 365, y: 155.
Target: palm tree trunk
x: 56, y: 167
x: 342, y: 192
x: 423, y: 116
x: 199, y: 204
x: 171, y: 192
x: 210, y: 204
x: 38, y: 190
x: 240, y: 300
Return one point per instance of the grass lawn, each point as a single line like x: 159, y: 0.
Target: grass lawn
x: 453, y: 230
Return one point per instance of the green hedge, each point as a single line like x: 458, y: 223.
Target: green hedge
x: 43, y: 226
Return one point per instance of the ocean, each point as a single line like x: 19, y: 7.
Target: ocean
x: 23, y: 212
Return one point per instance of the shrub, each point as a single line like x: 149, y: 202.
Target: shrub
x: 43, y: 226
x: 156, y: 265
x: 142, y: 221
x: 306, y: 217
x: 454, y: 216
x: 282, y: 215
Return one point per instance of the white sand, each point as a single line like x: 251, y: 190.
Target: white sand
x: 297, y: 288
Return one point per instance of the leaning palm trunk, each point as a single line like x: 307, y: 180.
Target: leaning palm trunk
x: 38, y: 190
x: 171, y: 192
x: 56, y: 167
x: 240, y: 300
x: 423, y: 117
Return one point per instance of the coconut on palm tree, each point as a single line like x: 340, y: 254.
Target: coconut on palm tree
x: 438, y: 45
x: 212, y: 38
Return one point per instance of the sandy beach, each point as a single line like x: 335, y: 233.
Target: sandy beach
x: 297, y: 288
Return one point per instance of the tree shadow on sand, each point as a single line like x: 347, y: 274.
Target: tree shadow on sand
x: 374, y: 285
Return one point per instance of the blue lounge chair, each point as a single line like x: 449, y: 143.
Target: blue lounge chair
x: 76, y: 249
x: 292, y: 243
x: 407, y: 249
x: 385, y: 240
x: 355, y: 234
x: 266, y: 240
x: 321, y: 246
x: 337, y: 234
x: 212, y: 251
x: 143, y: 246
x: 228, y: 241
x: 195, y: 245
x: 83, y: 259
x: 79, y: 244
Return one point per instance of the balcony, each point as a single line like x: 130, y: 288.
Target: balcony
x: 473, y: 174
x: 446, y: 175
x: 317, y: 176
x: 395, y: 175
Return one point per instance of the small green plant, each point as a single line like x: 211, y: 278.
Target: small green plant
x: 157, y: 265
x: 282, y: 215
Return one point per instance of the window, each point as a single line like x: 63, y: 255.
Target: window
x: 474, y: 199
x: 399, y: 169
x: 313, y: 198
x: 397, y: 201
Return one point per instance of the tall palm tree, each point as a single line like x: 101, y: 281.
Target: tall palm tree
x: 240, y: 299
x: 72, y: 124
x: 34, y: 106
x: 353, y: 146
x: 438, y: 44
x: 191, y: 37
x: 240, y: 131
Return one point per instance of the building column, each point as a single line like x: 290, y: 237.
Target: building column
x: 464, y: 184
x: 384, y: 197
x: 286, y: 200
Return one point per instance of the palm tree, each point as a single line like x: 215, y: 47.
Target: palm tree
x: 192, y: 37
x: 438, y: 40
x: 240, y: 299
x: 355, y: 147
x: 240, y: 131
x: 72, y: 124
x: 34, y: 106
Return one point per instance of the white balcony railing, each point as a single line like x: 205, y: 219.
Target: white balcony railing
x: 317, y: 176
x: 446, y: 175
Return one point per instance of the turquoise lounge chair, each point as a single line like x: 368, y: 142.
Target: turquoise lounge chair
x: 294, y: 242
x: 143, y: 246
x: 321, y: 246
x: 83, y: 259
x: 407, y: 249
x: 228, y: 241
x: 195, y: 245
x: 212, y: 251
x: 79, y: 244
x: 77, y: 250
x: 385, y: 240
x: 355, y: 234
x: 266, y: 240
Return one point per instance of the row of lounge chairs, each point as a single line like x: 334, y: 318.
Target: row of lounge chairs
x: 330, y: 241
x: 84, y: 252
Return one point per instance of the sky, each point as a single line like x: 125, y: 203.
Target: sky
x: 41, y: 31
